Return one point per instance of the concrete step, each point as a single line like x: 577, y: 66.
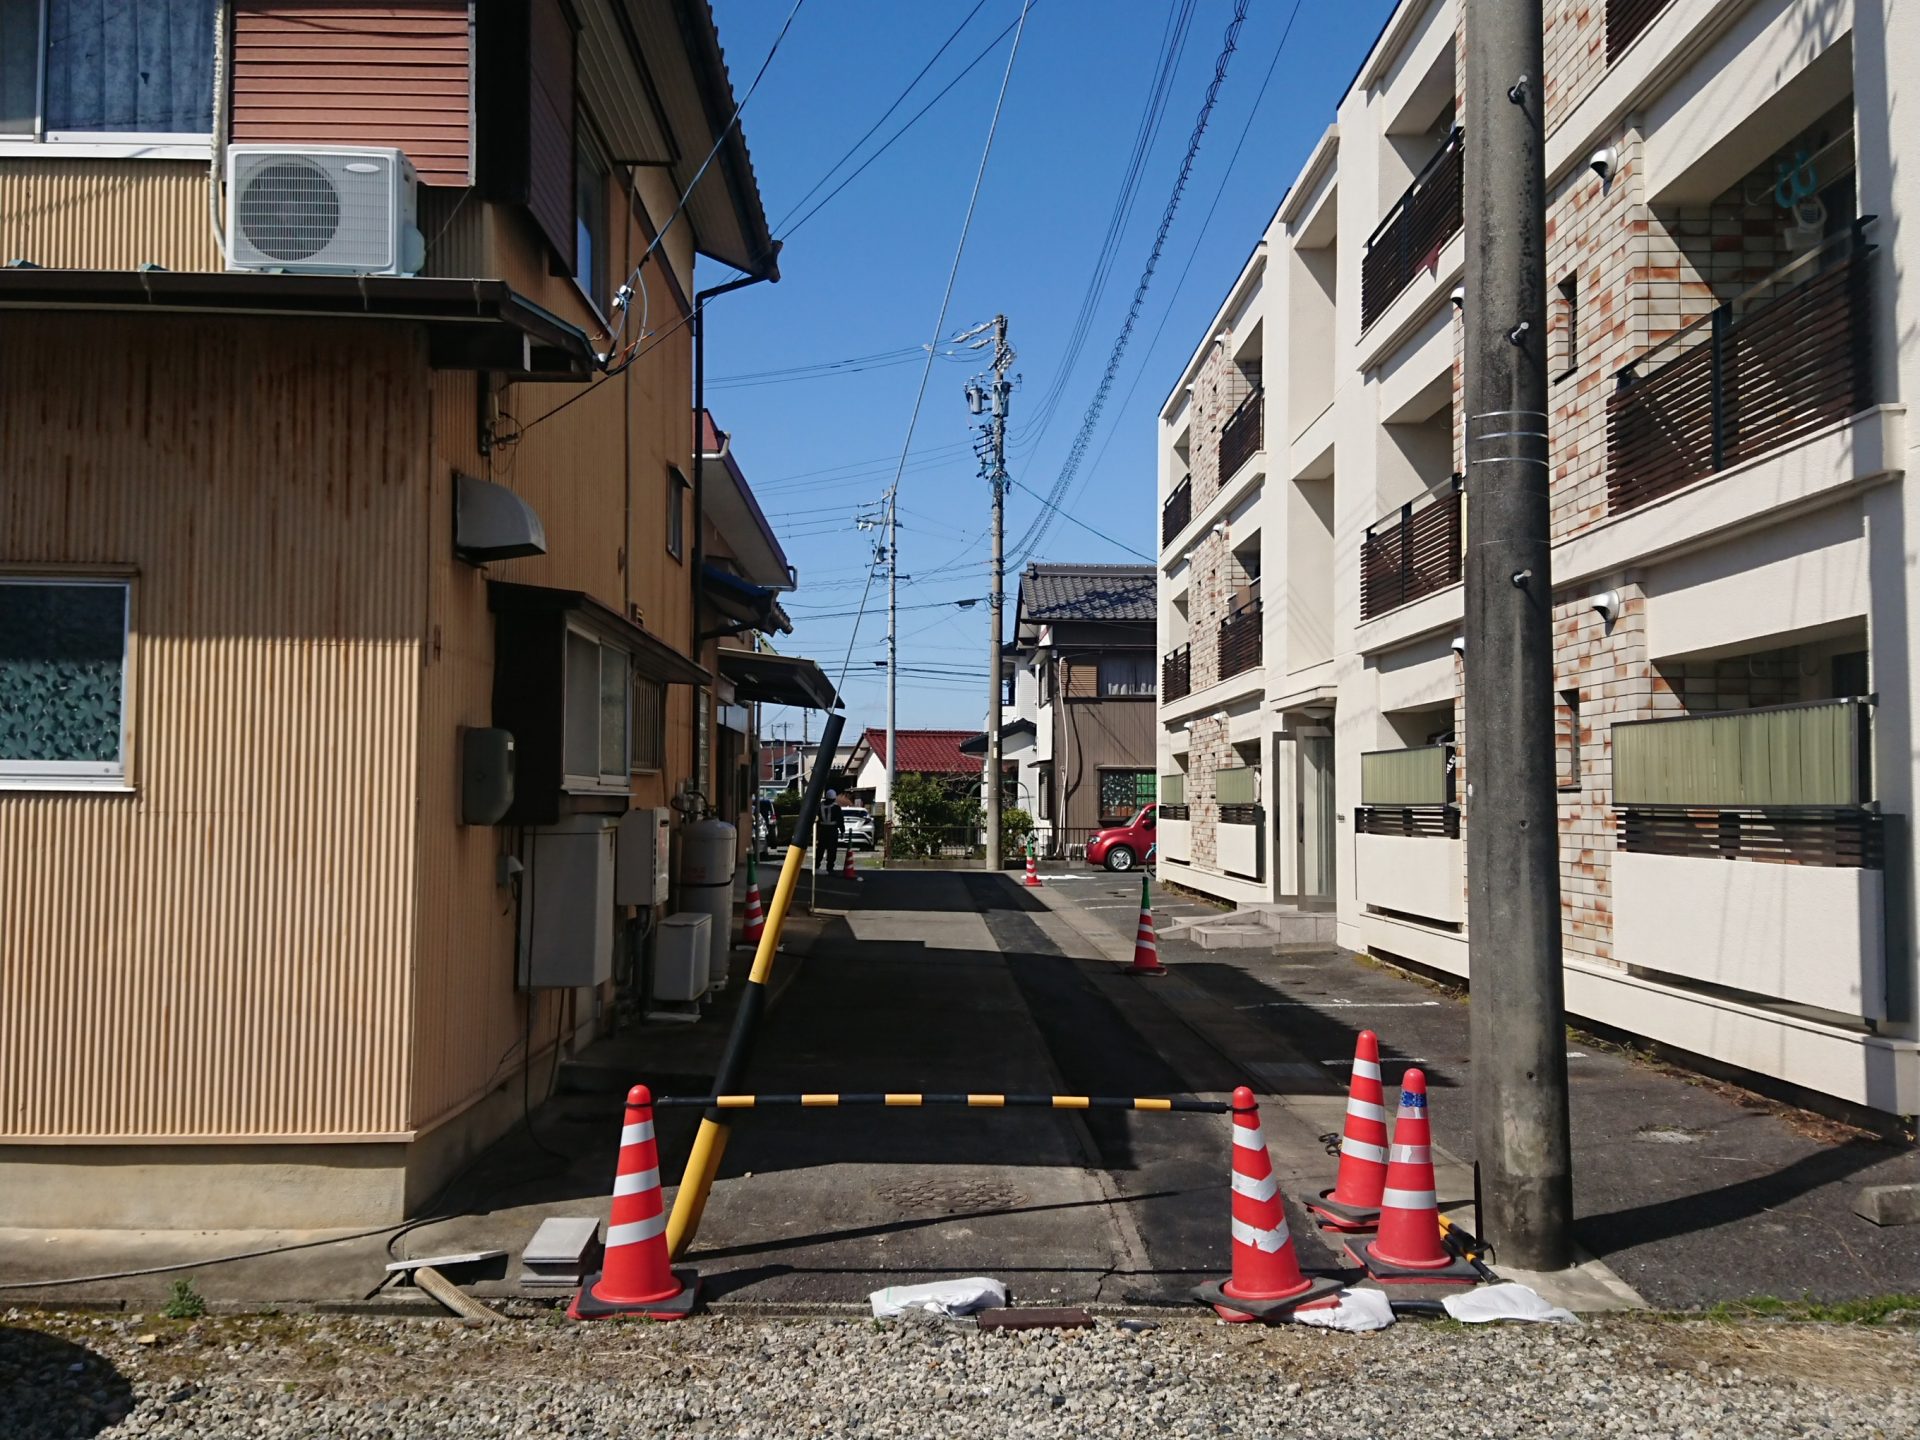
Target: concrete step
x: 1231, y: 937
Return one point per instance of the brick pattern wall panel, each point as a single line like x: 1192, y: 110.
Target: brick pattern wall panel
x: 1575, y: 41
x: 1210, y: 753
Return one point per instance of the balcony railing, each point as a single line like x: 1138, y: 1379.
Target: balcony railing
x: 1240, y: 640
x: 1791, y: 355
x: 1414, y: 233
x: 1415, y: 551
x: 1176, y: 674
x: 1177, y: 513
x: 1625, y: 20
x: 1242, y: 435
x: 1408, y: 792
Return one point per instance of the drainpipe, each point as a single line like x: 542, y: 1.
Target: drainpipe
x: 700, y: 298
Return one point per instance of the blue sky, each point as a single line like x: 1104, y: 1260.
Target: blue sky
x: 863, y: 278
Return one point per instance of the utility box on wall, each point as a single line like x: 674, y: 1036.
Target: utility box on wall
x: 486, y: 774
x: 641, y: 871
x: 566, y: 904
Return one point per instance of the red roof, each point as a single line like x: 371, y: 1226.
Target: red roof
x: 926, y: 752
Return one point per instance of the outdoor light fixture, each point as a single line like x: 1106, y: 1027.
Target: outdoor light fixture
x: 1608, y: 604
x: 1459, y: 297
x: 1602, y: 162
x: 1460, y: 645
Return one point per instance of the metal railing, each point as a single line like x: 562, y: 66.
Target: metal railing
x: 1788, y: 356
x: 1177, y: 513
x: 1176, y: 674
x: 1240, y: 639
x: 1414, y: 551
x: 1242, y: 815
x: 1243, y: 434
x: 1440, y: 822
x: 1414, y: 231
x: 1625, y: 20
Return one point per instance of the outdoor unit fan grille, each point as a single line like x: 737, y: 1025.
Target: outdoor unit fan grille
x: 314, y: 212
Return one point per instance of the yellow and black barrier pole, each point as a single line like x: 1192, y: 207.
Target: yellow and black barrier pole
x: 710, y: 1143
x: 915, y: 1100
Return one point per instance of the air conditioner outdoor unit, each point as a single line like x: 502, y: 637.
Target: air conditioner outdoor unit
x: 322, y: 210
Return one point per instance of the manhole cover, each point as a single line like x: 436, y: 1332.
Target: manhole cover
x: 947, y: 1197
x: 1670, y: 1135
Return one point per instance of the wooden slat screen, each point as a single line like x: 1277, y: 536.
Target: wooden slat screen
x: 1784, y: 755
x: 1412, y: 553
x: 311, y: 72
x: 550, y: 125
x: 1625, y: 20
x: 1415, y: 231
x: 1240, y: 643
x: 1243, y: 434
x: 1177, y: 512
x: 1439, y: 822
x: 1833, y: 837
x: 1176, y: 674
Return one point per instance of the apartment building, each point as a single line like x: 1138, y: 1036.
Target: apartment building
x: 332, y: 465
x: 1734, y: 341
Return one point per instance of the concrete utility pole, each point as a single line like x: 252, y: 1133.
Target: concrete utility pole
x: 990, y: 396
x: 892, y: 555
x: 1521, y: 1142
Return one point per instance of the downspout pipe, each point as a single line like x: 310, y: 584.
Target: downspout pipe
x: 700, y: 298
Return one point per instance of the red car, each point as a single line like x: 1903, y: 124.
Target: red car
x: 1122, y: 847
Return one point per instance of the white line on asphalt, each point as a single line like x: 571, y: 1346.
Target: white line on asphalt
x: 1338, y: 1005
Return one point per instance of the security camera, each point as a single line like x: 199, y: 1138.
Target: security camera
x: 1459, y: 297
x: 1459, y: 645
x: 1603, y: 162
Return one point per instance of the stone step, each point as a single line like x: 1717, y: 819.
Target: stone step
x: 1231, y: 937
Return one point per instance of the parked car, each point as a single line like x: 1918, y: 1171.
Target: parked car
x: 857, y: 826
x: 1121, y: 847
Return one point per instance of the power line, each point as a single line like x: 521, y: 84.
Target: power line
x: 1037, y: 531
x: 1073, y: 520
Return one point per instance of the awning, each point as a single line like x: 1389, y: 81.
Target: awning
x: 747, y: 605
x: 767, y: 679
x: 653, y: 657
x: 470, y: 324
x: 977, y: 744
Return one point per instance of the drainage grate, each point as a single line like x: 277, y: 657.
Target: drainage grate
x: 948, y: 1197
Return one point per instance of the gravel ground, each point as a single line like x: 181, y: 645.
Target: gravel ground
x: 274, y: 1377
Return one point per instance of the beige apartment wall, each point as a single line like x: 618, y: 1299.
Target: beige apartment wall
x: 222, y: 953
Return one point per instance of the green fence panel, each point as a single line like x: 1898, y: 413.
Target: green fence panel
x: 1798, y: 755
x: 1236, y: 786
x: 1173, y: 789
x: 1405, y: 777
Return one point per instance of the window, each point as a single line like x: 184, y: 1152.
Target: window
x: 74, y: 70
x: 63, y: 681
x: 1566, y: 333
x: 597, y: 723
x: 1566, y: 740
x: 649, y: 724
x: 1124, y: 792
x: 1126, y: 675
x: 676, y: 514
x: 702, y: 739
x: 590, y: 218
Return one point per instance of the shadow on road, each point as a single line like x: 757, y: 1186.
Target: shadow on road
x: 59, y: 1388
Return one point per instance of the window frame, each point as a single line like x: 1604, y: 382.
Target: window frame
x: 1138, y: 804
x: 677, y: 488
x: 1143, y: 687
x: 604, y: 781
x: 112, y: 776
x: 46, y: 143
x: 646, y: 688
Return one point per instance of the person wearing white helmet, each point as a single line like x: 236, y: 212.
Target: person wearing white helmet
x: 827, y: 832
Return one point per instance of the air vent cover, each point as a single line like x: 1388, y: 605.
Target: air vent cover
x: 322, y: 210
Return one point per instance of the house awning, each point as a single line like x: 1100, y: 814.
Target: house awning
x: 747, y: 605
x: 652, y: 656
x: 768, y: 679
x: 977, y: 744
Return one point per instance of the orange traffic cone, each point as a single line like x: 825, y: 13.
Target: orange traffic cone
x: 1266, y: 1278
x: 1033, y: 870
x: 756, y: 921
x: 1354, y: 1201
x: 634, y: 1278
x: 1146, y: 949
x: 1408, y: 1247
x: 849, y: 873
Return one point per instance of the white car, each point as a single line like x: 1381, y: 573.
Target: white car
x: 856, y: 825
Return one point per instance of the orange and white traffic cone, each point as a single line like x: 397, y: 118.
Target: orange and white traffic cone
x: 756, y: 920
x: 849, y: 873
x: 1267, y: 1281
x: 634, y: 1277
x: 1033, y: 870
x: 1354, y: 1201
x: 1146, y: 949
x: 1408, y: 1248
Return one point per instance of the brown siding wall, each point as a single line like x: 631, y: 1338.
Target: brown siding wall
x: 1089, y: 735
x: 335, y: 74
x: 550, y: 124
x: 225, y: 951
x: 106, y: 214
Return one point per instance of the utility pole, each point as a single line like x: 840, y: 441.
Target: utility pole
x: 990, y: 396
x: 892, y: 557
x: 1521, y: 1130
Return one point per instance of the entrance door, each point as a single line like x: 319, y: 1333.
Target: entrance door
x: 1317, y: 814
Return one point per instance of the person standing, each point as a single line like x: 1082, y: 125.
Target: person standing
x: 827, y: 835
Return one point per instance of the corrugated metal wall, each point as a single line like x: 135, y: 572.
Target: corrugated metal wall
x: 225, y: 952
x: 332, y: 74
x: 106, y: 214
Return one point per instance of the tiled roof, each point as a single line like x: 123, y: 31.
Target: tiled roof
x: 926, y: 752
x: 1087, y: 592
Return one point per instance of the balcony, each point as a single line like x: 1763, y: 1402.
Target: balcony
x: 1176, y: 674
x: 1414, y: 551
x: 1243, y: 434
x: 1242, y: 821
x: 1240, y: 640
x: 1177, y: 513
x: 1787, y: 357
x: 1414, y: 233
x: 1750, y: 853
x: 1625, y: 20
x: 1408, y: 856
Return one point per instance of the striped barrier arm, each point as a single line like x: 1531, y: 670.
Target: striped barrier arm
x: 915, y: 1100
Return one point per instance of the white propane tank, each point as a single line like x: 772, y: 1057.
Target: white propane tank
x: 706, y: 885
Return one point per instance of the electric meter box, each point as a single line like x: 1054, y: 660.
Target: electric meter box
x: 641, y: 875
x: 566, y: 904
x: 486, y: 774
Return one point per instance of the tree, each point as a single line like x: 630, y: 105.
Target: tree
x: 927, y: 814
